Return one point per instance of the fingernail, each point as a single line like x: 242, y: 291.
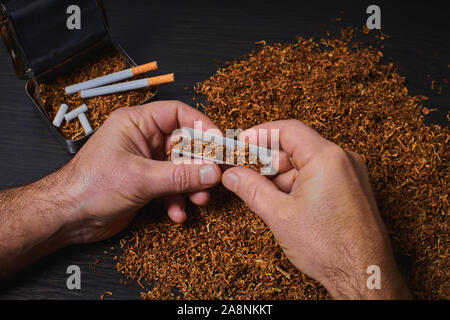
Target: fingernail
x: 231, y: 180
x: 208, y: 175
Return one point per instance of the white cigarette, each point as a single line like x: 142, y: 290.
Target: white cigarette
x: 85, y: 123
x: 74, y: 113
x: 113, y: 77
x: 60, y: 115
x: 125, y: 86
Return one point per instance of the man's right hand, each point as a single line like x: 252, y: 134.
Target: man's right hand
x: 321, y: 209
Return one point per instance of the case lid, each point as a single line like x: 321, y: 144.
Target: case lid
x: 36, y: 35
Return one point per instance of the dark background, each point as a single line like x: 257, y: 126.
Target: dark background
x: 188, y: 37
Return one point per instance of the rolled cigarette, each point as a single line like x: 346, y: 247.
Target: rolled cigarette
x: 74, y: 113
x: 113, y: 77
x: 125, y: 86
x: 60, y: 115
x: 85, y: 123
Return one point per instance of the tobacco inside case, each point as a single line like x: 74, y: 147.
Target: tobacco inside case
x: 350, y: 96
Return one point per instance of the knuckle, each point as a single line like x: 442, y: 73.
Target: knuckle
x: 178, y: 103
x: 119, y: 113
x: 252, y: 196
x: 181, y: 177
x: 295, y: 123
x: 334, y: 153
x: 358, y: 159
x: 336, y: 158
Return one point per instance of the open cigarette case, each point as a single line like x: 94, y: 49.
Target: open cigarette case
x: 42, y: 46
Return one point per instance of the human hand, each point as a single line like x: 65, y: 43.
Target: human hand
x: 321, y: 210
x: 121, y: 168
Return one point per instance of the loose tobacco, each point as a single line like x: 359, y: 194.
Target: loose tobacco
x: 348, y: 94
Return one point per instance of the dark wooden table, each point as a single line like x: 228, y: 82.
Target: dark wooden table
x: 188, y: 38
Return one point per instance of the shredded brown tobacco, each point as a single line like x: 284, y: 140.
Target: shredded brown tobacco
x: 212, y: 150
x: 53, y: 94
x: 347, y: 93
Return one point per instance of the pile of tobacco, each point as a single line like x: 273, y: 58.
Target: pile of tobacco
x: 99, y: 108
x: 347, y: 93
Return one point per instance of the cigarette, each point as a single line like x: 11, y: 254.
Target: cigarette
x: 85, y: 123
x: 60, y: 115
x: 74, y: 113
x: 125, y: 86
x: 113, y: 77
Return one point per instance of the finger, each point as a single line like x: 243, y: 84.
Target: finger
x: 251, y: 137
x: 175, y: 206
x: 285, y: 163
x: 286, y: 180
x: 166, y: 116
x: 299, y: 141
x: 171, y: 115
x: 200, y: 198
x: 260, y: 194
x: 166, y: 177
x: 158, y: 119
x: 282, y: 163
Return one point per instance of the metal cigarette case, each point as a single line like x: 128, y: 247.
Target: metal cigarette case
x: 41, y: 46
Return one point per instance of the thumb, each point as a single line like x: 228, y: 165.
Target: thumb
x: 166, y: 177
x: 260, y: 194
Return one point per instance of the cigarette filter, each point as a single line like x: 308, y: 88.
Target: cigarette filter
x: 125, y: 86
x: 74, y: 113
x: 60, y: 115
x: 85, y: 123
x: 113, y: 77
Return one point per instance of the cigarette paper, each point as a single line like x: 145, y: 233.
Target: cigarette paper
x: 85, y: 123
x: 60, y: 115
x: 267, y: 157
x: 125, y: 86
x: 74, y: 113
x: 113, y: 77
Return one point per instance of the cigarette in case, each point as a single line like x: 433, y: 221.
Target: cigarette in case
x: 126, y: 86
x: 113, y: 77
x: 74, y: 113
x: 267, y: 158
x: 60, y: 115
x: 85, y: 123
